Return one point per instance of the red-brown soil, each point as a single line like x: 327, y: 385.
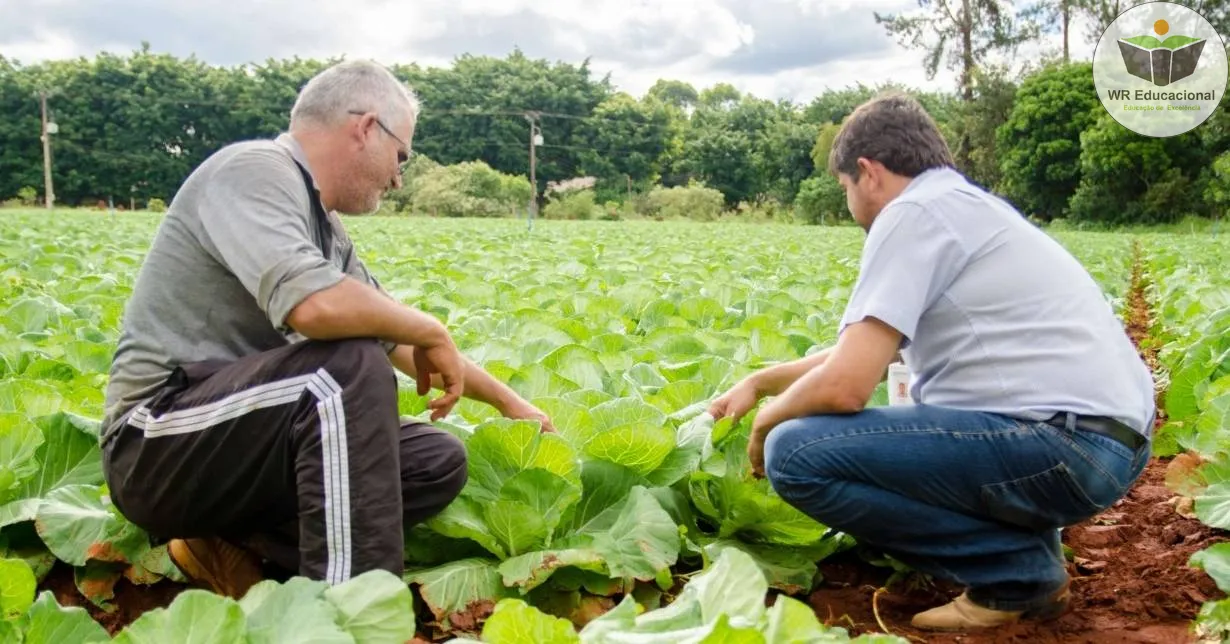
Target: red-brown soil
x: 130, y: 601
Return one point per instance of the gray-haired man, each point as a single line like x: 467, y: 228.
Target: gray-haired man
x: 252, y: 398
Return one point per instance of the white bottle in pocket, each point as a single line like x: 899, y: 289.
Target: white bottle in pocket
x: 899, y: 384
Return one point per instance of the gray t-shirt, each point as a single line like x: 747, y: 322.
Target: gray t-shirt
x: 996, y: 315
x: 237, y: 250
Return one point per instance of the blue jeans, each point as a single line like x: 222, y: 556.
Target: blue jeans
x: 976, y: 498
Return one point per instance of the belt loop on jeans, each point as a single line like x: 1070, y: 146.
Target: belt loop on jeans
x: 1071, y: 422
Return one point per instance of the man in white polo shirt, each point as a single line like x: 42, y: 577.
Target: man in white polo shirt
x: 1034, y: 409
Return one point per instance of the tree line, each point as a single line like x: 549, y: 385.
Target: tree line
x: 131, y: 127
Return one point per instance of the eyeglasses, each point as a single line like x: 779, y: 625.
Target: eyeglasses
x: 404, y: 154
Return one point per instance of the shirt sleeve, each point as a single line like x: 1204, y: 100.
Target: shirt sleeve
x: 910, y: 259
x: 256, y: 216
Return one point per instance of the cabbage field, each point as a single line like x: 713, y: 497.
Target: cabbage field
x: 639, y: 521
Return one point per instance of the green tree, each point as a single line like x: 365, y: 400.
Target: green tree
x: 21, y: 151
x: 994, y: 97
x: 1057, y: 16
x: 478, y: 107
x: 262, y: 96
x: 823, y: 146
x: 720, y: 96
x: 965, y: 33
x: 130, y: 127
x: 783, y: 159
x: 834, y: 105
x: 1040, y: 143
x: 627, y: 140
x: 674, y: 92
x: 1128, y: 178
x: 721, y: 158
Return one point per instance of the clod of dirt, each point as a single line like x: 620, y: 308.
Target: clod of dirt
x: 1105, y: 536
x: 472, y: 617
x: 1090, y: 567
x: 1153, y: 493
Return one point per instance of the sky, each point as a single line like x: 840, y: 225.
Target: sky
x: 777, y: 49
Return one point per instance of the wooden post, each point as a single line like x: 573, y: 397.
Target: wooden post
x: 535, y: 134
x: 48, y: 192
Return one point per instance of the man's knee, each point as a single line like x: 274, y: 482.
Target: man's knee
x: 794, y: 471
x: 360, y: 363
x: 452, y: 473
x: 434, y: 475
x: 782, y: 447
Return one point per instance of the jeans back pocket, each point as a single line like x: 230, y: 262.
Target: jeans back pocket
x: 1047, y: 500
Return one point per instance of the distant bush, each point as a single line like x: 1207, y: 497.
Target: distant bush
x: 28, y: 196
x: 156, y: 205
x: 821, y: 200
x: 762, y: 210
x: 619, y: 211
x: 402, y: 199
x: 470, y: 189
x: 695, y: 202
x: 578, y: 204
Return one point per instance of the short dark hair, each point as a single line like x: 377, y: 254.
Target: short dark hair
x: 895, y: 130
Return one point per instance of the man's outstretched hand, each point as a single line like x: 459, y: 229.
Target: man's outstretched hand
x: 445, y: 360
x: 521, y: 409
x: 736, y: 402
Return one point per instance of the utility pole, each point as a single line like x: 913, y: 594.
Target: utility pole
x: 48, y: 129
x: 535, y: 141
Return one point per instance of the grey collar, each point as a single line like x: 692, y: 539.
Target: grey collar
x: 296, y: 152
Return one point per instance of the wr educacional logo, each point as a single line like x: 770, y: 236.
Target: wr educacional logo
x: 1161, y: 61
x: 1160, y: 44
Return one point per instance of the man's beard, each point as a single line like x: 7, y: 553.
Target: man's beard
x: 357, y: 201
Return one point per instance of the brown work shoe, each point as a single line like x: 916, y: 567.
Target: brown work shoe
x: 961, y: 614
x: 214, y: 564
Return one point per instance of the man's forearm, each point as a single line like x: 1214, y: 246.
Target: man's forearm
x: 816, y: 392
x: 772, y: 381
x: 479, y: 385
x: 352, y: 309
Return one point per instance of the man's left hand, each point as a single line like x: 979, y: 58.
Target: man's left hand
x: 766, y: 419
x: 521, y: 409
x: 841, y: 385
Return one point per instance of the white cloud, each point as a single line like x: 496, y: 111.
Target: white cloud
x: 41, y: 45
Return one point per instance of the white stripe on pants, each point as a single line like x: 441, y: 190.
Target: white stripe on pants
x: 334, y: 461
